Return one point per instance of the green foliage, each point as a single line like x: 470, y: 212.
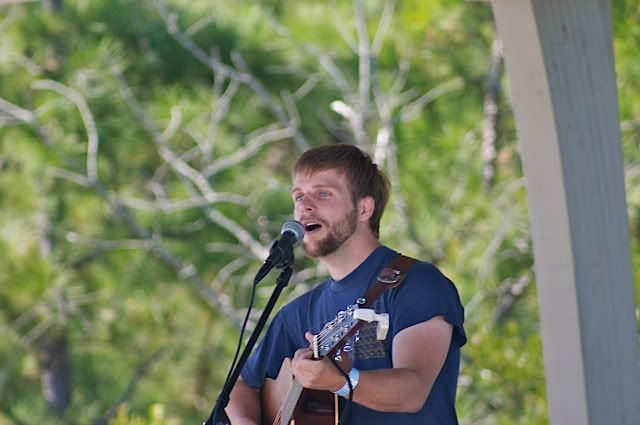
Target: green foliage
x: 156, y: 416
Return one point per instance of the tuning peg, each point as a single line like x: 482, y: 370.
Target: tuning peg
x: 338, y: 356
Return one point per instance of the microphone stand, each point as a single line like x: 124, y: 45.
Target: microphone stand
x: 218, y: 415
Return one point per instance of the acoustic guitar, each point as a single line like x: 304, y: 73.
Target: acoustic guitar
x: 286, y: 402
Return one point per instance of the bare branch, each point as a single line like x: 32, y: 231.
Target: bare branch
x: 355, y: 120
x: 144, y: 244
x: 164, y: 168
x: 630, y: 125
x: 506, y: 225
x: 401, y: 79
x: 243, y: 75
x: 26, y: 63
x: 508, y: 293
x: 262, y: 92
x: 174, y: 124
x: 224, y: 247
x: 87, y: 119
x: 413, y: 109
x: 292, y: 109
x: 338, y: 129
x: 364, y: 56
x: 128, y: 96
x: 70, y: 176
x: 383, y: 27
x: 226, y: 271
x: 306, y: 88
x: 37, y: 331
x: 340, y: 26
x: 193, y: 175
x: 242, y: 235
x: 491, y: 114
x: 8, y: 19
x: 194, y: 202
x: 7, y: 2
x: 26, y: 116
x: 217, y: 217
x: 385, y: 133
x: 251, y: 147
x: 219, y: 111
x: 185, y: 270
x: 325, y: 61
x: 385, y: 149
x: 199, y: 25
x: 17, y: 112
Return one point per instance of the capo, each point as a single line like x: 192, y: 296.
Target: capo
x: 369, y: 315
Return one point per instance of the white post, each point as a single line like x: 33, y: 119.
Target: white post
x: 559, y: 58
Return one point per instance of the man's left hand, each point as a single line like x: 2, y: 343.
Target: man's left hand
x: 318, y: 374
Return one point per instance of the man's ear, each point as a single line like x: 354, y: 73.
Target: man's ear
x: 365, y: 208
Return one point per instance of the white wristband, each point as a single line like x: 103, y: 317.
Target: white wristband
x: 354, y: 377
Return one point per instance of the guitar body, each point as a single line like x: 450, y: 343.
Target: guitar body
x: 282, y: 396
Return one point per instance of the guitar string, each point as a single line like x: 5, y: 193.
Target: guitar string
x: 322, y: 336
x: 326, y: 330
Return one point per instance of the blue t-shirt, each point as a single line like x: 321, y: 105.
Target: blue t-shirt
x: 424, y: 294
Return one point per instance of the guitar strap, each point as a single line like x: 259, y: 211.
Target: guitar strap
x: 390, y: 277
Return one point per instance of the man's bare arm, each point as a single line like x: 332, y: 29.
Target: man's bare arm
x: 419, y: 353
x: 244, y: 405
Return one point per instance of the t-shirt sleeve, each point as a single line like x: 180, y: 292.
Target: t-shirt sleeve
x: 266, y: 359
x: 425, y: 294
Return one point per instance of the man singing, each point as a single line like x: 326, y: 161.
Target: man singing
x: 408, y: 378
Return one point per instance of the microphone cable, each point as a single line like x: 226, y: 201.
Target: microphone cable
x: 242, y: 330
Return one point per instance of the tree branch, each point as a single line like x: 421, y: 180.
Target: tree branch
x: 26, y: 116
x: 243, y: 76
x: 490, y: 120
x: 411, y: 110
x: 87, y: 119
x: 250, y: 148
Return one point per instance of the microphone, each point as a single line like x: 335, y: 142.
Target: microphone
x: 291, y: 232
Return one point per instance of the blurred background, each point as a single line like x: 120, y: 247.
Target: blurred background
x: 145, y: 157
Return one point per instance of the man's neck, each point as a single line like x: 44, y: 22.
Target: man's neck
x: 350, y: 255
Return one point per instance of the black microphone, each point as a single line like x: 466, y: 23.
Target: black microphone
x: 292, y: 231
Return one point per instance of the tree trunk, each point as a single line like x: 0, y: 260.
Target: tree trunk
x: 56, y: 376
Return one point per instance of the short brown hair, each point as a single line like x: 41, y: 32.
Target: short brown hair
x: 363, y: 176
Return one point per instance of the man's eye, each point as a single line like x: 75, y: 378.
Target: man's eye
x: 298, y: 198
x: 324, y: 194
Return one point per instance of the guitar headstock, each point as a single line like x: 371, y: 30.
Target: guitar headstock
x: 336, y: 333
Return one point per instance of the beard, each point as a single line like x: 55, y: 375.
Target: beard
x: 338, y: 234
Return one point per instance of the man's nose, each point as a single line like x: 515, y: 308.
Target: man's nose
x: 306, y: 204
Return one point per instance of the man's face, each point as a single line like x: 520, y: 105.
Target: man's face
x: 324, y: 205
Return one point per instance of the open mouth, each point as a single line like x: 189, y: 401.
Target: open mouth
x: 311, y: 227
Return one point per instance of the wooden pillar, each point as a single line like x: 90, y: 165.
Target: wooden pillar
x: 559, y: 59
